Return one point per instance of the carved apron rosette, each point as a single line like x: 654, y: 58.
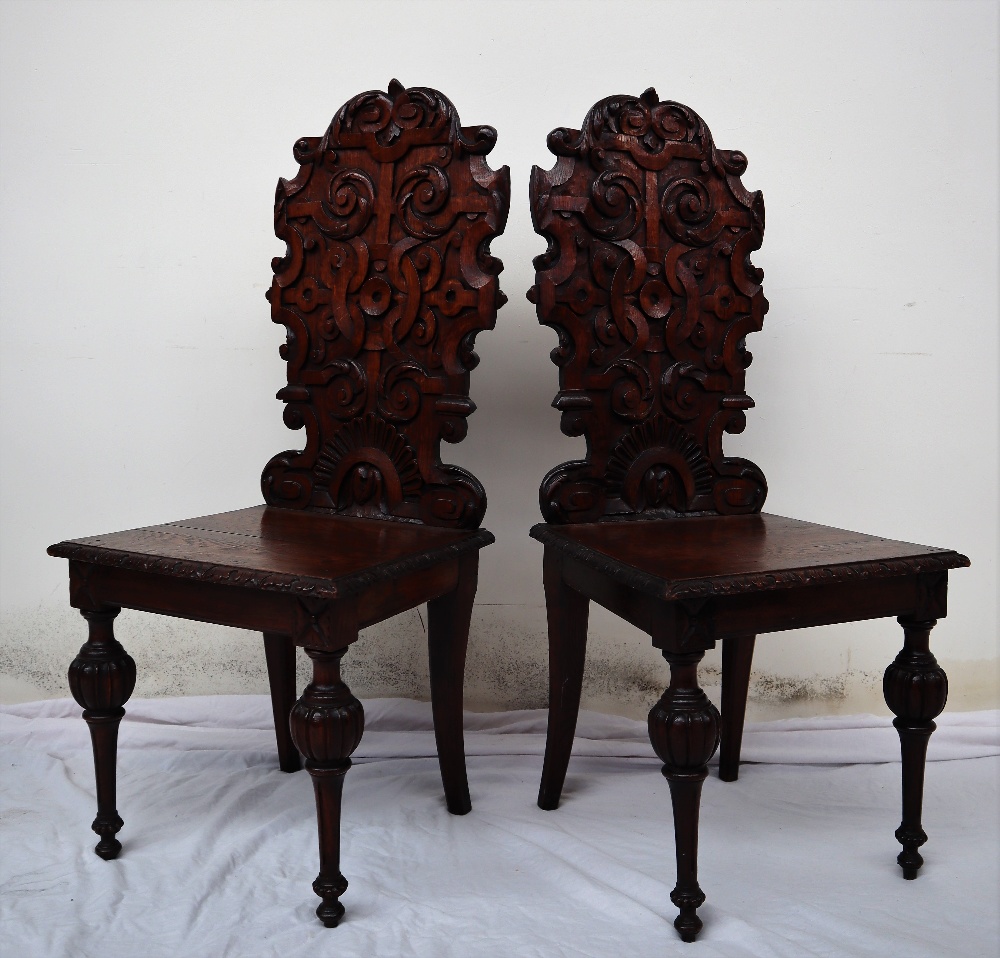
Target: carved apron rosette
x: 385, y: 283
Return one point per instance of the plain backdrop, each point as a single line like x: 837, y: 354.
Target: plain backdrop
x: 140, y: 146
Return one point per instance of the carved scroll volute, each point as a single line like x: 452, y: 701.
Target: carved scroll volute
x: 648, y: 283
x: 386, y: 280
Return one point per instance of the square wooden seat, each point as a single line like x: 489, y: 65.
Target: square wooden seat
x: 293, y: 554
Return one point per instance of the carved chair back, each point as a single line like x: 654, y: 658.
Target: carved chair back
x: 386, y: 280
x: 648, y: 282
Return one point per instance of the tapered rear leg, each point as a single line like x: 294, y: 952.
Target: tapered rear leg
x: 737, y: 657
x: 448, y: 619
x: 567, y: 612
x: 101, y: 678
x: 280, y: 653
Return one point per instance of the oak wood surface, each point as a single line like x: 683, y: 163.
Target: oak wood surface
x: 280, y: 550
x: 694, y: 556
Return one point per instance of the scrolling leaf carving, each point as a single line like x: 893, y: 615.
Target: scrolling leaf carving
x: 648, y: 283
x: 386, y: 280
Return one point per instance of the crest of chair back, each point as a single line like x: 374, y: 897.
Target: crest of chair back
x: 386, y: 280
x: 648, y: 282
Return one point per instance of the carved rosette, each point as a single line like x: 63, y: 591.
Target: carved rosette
x: 386, y: 280
x: 647, y: 281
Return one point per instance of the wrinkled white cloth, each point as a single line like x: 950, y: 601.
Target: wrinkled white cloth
x: 797, y: 858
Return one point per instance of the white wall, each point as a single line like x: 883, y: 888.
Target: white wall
x: 140, y: 147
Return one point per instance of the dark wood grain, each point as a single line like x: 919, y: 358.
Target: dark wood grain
x: 386, y: 280
x: 648, y: 283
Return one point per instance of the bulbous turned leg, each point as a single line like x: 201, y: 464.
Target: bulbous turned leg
x: 327, y: 723
x: 916, y: 689
x: 684, y: 730
x: 101, y: 678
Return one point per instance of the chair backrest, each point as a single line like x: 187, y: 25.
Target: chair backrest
x: 647, y: 280
x: 386, y: 280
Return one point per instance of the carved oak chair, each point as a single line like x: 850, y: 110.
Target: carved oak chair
x: 648, y: 282
x: 386, y: 280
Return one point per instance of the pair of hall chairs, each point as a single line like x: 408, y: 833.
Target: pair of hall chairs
x: 386, y: 280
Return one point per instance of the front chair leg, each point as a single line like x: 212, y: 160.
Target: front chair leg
x: 684, y: 730
x: 327, y: 723
x: 448, y: 620
x: 279, y: 650
x: 567, y: 611
x: 916, y: 689
x: 737, y: 657
x: 101, y: 678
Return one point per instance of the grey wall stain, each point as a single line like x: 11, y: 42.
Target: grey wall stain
x: 506, y: 666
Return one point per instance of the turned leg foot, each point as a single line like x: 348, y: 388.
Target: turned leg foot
x: 567, y: 612
x: 684, y: 731
x: 737, y: 657
x: 327, y: 723
x: 101, y: 678
x: 916, y: 689
x: 279, y: 651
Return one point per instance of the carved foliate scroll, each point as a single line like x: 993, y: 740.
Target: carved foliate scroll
x: 385, y: 283
x: 648, y: 282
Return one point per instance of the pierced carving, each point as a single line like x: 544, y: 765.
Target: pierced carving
x: 386, y: 280
x: 647, y: 281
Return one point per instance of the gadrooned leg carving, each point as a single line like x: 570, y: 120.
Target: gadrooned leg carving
x: 916, y: 689
x: 327, y: 723
x: 684, y: 730
x: 101, y: 678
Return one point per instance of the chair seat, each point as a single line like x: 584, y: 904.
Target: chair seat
x: 692, y: 557
x: 279, y: 550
